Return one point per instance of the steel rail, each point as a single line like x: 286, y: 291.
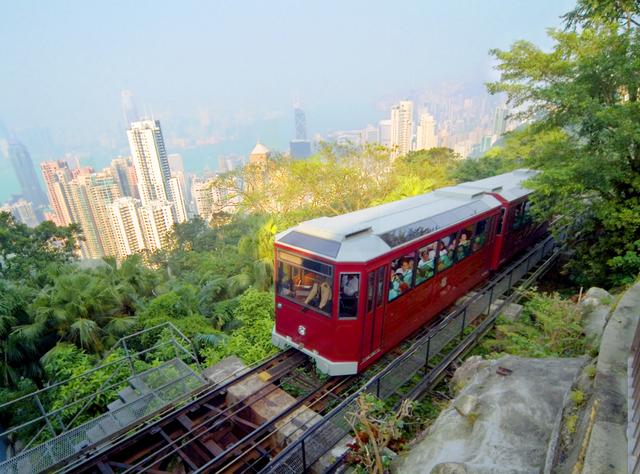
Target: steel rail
x: 196, y: 432
x: 348, y: 380
x: 206, y: 393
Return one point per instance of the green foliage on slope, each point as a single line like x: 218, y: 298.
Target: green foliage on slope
x: 583, y: 99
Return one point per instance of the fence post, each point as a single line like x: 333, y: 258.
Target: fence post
x: 378, y: 387
x: 426, y: 358
x: 126, y: 352
x: 464, y: 321
x: 46, y: 417
x: 490, y: 302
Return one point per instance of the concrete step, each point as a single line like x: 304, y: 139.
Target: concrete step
x: 115, y: 405
x: 128, y: 395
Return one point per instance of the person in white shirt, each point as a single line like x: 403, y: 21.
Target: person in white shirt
x: 350, y: 285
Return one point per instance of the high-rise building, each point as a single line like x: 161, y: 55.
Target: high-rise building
x: 176, y: 165
x: 125, y: 174
x: 79, y: 206
x: 23, y: 167
x: 384, y: 132
x: 500, y: 120
x: 300, y: 120
x: 209, y: 198
x: 129, y: 109
x: 124, y: 213
x: 259, y: 154
x: 22, y: 211
x: 156, y: 220
x: 102, y: 189
x: 152, y: 166
x: 56, y: 175
x: 402, y: 128
x: 426, y: 132
x: 299, y: 147
x: 370, y: 134
x: 177, y: 191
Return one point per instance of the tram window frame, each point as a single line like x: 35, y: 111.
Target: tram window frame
x: 302, y: 265
x: 452, y: 257
x: 352, y: 298
x: 380, y: 289
x: 394, y: 267
x: 371, y: 287
x: 487, y: 225
x: 434, y: 260
x: 500, y: 227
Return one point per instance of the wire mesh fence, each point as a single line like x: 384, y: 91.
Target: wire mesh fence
x: 142, y: 373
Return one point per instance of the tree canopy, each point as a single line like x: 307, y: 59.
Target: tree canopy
x: 581, y: 99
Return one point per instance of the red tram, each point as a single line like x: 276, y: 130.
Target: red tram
x: 351, y: 287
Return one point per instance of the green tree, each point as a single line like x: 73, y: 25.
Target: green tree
x: 584, y: 94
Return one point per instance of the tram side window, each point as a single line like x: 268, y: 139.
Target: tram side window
x: 349, y: 290
x: 304, y: 286
x: 464, y: 243
x: 519, y: 218
x: 426, y: 267
x: 401, y: 279
x: 446, y: 252
x: 480, y: 236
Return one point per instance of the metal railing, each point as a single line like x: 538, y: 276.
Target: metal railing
x: 425, y: 355
x: 58, y: 417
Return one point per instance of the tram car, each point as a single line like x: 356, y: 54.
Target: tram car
x: 351, y: 287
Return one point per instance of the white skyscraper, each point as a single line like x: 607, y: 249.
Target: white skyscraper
x: 126, y: 226
x: 129, y: 109
x: 402, y: 127
x: 384, y: 132
x: 177, y: 191
x: 370, y: 134
x: 152, y: 167
x: 500, y: 120
x: 156, y: 219
x: 426, y: 132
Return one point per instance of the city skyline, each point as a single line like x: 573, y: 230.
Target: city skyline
x: 75, y: 103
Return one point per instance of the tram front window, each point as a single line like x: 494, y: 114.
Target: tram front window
x: 305, y: 281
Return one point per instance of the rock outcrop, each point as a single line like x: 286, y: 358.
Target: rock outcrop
x: 500, y: 421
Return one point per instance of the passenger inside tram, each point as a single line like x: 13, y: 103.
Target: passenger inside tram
x: 445, y: 259
x: 464, y: 246
x: 426, y: 264
x: 407, y: 270
x: 320, y: 295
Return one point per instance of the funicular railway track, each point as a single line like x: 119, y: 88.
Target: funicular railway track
x: 216, y: 432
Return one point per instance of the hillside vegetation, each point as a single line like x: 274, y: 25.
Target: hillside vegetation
x: 214, y: 283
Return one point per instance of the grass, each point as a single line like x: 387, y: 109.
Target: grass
x: 570, y: 423
x: 577, y: 396
x: 549, y: 326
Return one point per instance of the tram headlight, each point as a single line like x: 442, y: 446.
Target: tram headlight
x: 302, y: 330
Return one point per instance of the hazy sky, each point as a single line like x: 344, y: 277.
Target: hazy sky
x: 64, y: 63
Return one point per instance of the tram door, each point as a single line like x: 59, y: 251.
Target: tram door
x: 372, y: 339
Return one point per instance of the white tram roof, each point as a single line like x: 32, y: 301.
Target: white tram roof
x: 368, y: 233
x: 507, y: 185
